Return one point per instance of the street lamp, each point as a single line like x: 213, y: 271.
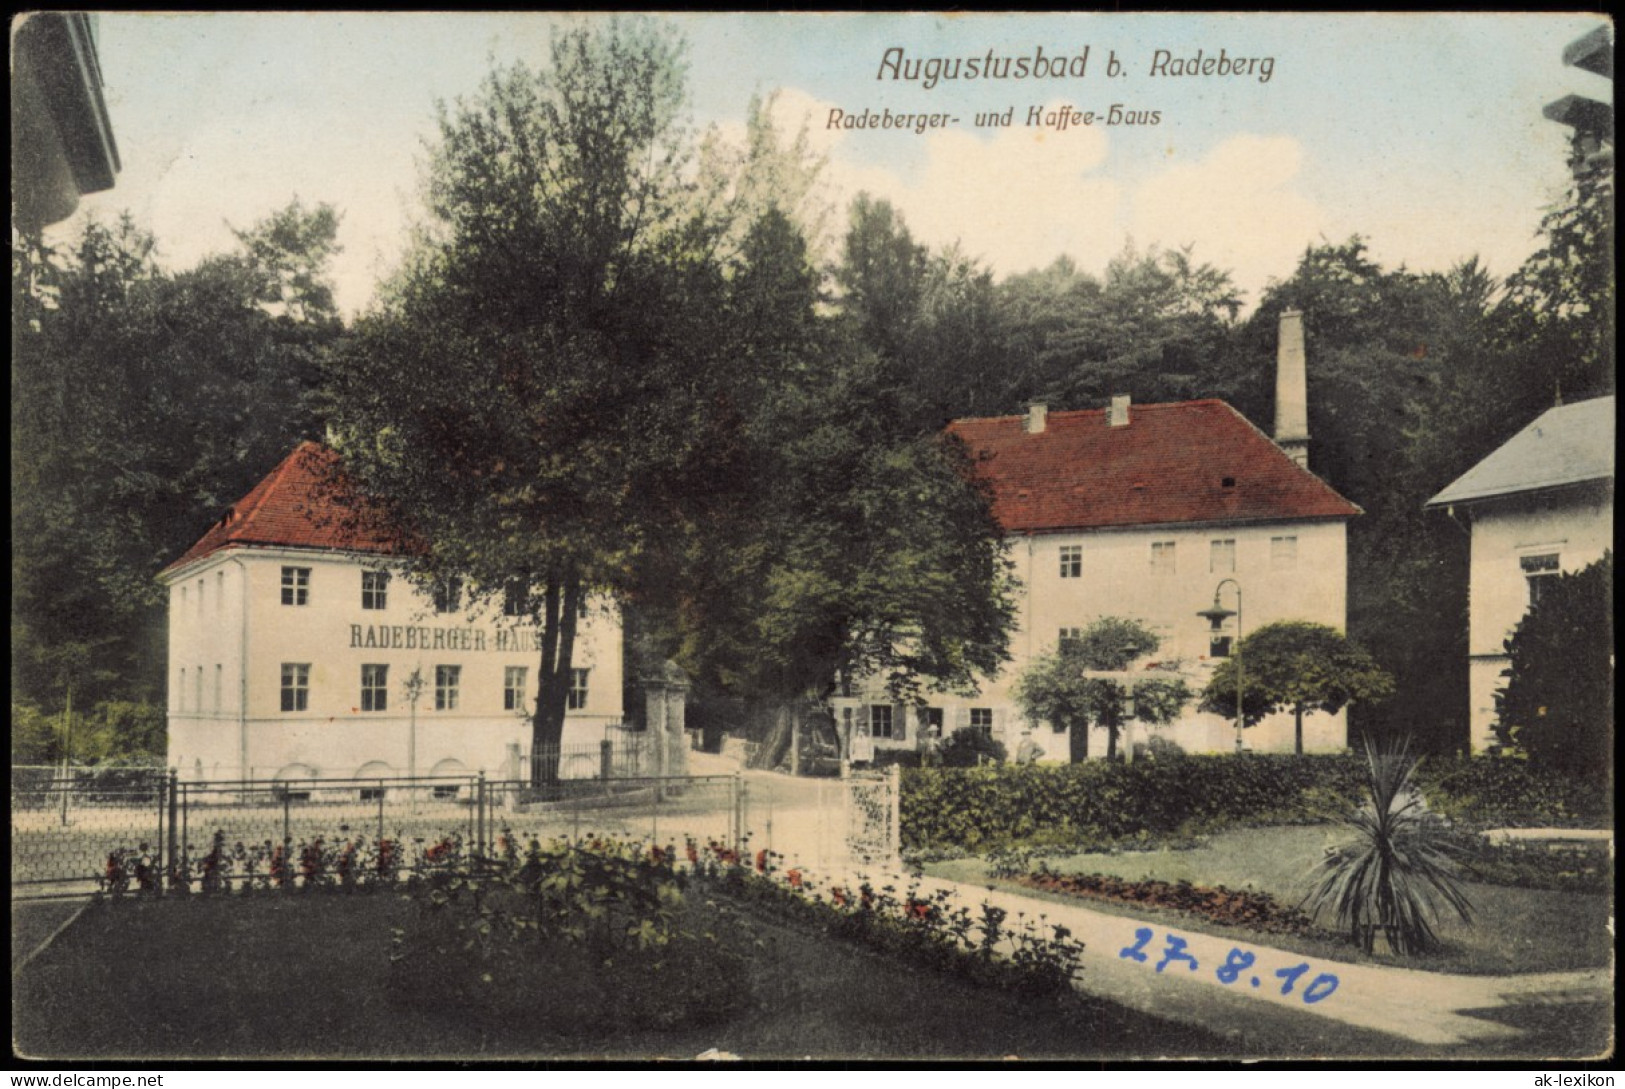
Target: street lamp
x: 1217, y: 616
x: 413, y: 686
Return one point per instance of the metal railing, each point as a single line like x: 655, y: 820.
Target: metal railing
x: 157, y: 831
x: 626, y: 757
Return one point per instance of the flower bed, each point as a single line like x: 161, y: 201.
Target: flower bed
x: 343, y: 862
x: 927, y: 930
x: 1256, y: 911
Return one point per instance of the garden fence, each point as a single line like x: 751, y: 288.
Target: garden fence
x: 73, y: 834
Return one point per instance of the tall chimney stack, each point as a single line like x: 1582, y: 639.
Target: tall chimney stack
x: 1037, y: 418
x: 1292, y: 389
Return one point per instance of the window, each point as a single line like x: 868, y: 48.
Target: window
x: 1283, y: 553
x: 513, y: 688
x: 446, y: 681
x: 1162, y: 557
x: 180, y: 692
x: 217, y: 688
x: 1219, y: 647
x: 1222, y: 558
x: 448, y: 595
x: 375, y: 688
x: 184, y: 598
x: 200, y: 598
x: 296, y: 586
x: 375, y: 589
x: 930, y: 722
x: 578, y: 690
x: 880, y: 721
x: 981, y: 718
x: 515, y: 600
x: 1071, y: 561
x: 372, y: 794
x: 1537, y: 570
x: 1069, y: 638
x: 219, y: 589
x: 197, y: 690
x: 295, y: 685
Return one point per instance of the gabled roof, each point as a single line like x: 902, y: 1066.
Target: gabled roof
x: 303, y: 503
x: 1569, y: 444
x: 1168, y: 465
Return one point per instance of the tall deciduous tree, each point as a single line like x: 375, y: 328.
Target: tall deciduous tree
x: 857, y: 545
x: 1558, y: 704
x: 1297, y: 666
x: 143, y: 402
x: 1058, y: 688
x: 1562, y: 315
x: 545, y: 396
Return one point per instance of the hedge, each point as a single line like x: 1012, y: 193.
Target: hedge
x: 1503, y: 792
x: 991, y: 806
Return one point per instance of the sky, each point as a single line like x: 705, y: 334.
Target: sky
x: 1422, y: 133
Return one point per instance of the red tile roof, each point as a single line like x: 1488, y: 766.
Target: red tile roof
x: 303, y: 503
x: 1168, y: 465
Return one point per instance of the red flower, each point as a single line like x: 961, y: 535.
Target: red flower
x: 839, y: 896
x: 693, y: 854
x: 656, y: 855
x: 919, y: 909
x: 761, y: 860
x: 794, y: 877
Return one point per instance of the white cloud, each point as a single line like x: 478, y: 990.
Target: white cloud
x: 1015, y: 197
x: 1239, y: 206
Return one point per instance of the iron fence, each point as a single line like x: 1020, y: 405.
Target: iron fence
x: 627, y: 757
x: 71, y: 837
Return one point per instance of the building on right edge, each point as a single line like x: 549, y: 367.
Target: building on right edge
x: 1540, y: 505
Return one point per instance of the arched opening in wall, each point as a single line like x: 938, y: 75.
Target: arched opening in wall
x: 578, y: 766
x: 292, y: 782
x: 374, y: 769
x: 448, y: 767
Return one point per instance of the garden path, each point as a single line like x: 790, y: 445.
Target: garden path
x: 1429, y: 1008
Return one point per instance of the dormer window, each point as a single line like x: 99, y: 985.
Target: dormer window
x: 1228, y: 482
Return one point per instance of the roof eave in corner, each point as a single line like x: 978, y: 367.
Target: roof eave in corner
x: 1445, y: 499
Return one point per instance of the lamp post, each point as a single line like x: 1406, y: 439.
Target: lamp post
x: 1216, y: 616
x: 413, y: 687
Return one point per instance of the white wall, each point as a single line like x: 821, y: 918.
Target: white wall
x: 330, y: 633
x: 1118, y: 579
x: 1579, y: 528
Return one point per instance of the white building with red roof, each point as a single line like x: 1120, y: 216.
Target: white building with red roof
x: 292, y: 639
x: 1140, y: 512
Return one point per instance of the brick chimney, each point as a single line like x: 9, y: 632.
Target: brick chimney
x: 1117, y: 415
x: 1037, y: 418
x: 1292, y: 389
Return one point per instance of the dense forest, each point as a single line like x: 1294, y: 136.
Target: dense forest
x: 147, y: 399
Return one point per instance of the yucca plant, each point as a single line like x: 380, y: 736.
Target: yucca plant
x: 1397, y: 875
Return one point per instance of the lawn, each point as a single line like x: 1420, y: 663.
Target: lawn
x: 1512, y: 930
x: 308, y: 976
